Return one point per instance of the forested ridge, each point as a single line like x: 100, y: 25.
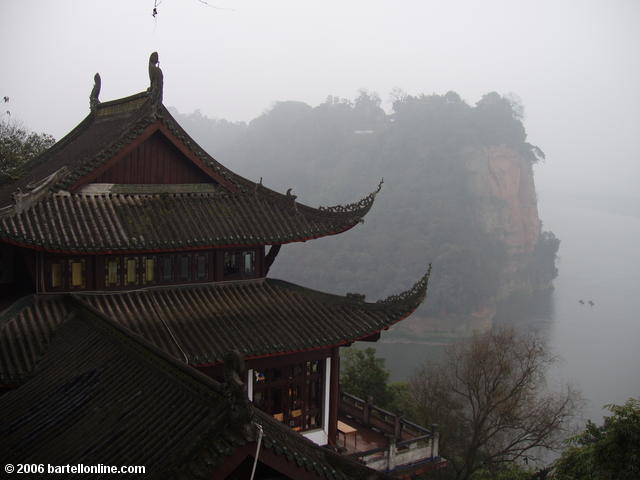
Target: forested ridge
x: 338, y: 151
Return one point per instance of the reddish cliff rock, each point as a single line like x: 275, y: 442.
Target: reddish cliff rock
x: 502, y: 178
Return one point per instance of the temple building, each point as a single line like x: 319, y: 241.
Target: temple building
x: 138, y: 315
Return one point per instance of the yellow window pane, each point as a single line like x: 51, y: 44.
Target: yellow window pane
x: 112, y: 272
x: 150, y: 267
x: 77, y: 274
x: 56, y: 275
x: 131, y: 270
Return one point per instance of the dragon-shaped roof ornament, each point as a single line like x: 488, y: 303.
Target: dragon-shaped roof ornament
x: 155, y: 79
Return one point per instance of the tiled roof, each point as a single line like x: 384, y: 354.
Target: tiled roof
x: 34, y: 214
x: 104, y: 396
x: 257, y: 318
x: 139, y: 222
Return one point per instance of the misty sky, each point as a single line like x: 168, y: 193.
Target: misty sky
x: 574, y: 64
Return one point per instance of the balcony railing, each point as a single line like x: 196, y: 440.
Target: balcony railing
x: 405, y: 443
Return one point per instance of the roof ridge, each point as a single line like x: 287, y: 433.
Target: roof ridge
x: 117, y: 101
x: 13, y: 310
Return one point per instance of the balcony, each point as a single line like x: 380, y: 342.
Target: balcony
x: 385, y: 441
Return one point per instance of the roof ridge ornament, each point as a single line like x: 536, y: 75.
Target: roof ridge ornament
x: 418, y: 291
x: 257, y: 186
x: 24, y: 201
x: 358, y: 297
x: 95, y: 93
x: 292, y: 198
x: 234, y: 390
x: 156, y: 79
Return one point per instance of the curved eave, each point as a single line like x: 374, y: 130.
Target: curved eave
x: 138, y: 223
x: 416, y: 294
x: 186, y: 248
x: 259, y: 318
x: 410, y: 299
x: 343, y: 343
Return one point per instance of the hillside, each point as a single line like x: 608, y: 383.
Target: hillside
x: 458, y: 192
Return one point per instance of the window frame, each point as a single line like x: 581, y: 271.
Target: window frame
x: 144, y: 280
x: 162, y: 264
x: 117, y: 259
x: 49, y: 273
x: 240, y: 272
x: 136, y: 271
x: 83, y: 273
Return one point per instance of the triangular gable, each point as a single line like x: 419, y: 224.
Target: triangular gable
x: 156, y: 156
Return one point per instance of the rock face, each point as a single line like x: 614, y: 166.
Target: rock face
x: 503, y: 181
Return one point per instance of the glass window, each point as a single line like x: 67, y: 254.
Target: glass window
x: 249, y: 261
x: 167, y: 269
x: 201, y: 267
x: 149, y: 269
x: 112, y: 272
x: 131, y: 265
x: 184, y: 267
x: 77, y: 268
x: 56, y: 275
x: 231, y: 263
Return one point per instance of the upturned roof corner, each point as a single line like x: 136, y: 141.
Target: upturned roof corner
x: 415, y: 295
x: 362, y: 206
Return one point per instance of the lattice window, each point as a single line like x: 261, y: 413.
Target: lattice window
x: 56, y: 275
x: 112, y: 272
x: 167, y: 268
x: 201, y: 267
x: 77, y: 271
x: 131, y: 270
x: 184, y: 272
x: 149, y: 270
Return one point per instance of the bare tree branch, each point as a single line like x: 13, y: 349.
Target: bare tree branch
x: 490, y: 399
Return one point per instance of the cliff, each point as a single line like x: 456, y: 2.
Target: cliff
x: 507, y: 207
x: 501, y: 182
x: 458, y: 193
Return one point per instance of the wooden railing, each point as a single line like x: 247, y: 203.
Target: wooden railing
x: 407, y: 442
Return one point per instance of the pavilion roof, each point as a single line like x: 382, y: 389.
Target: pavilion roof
x: 50, y: 209
x: 102, y: 395
x: 199, y: 323
x: 138, y: 222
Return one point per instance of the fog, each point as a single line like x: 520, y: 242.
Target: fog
x: 574, y: 65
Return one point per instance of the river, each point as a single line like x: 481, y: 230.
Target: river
x: 599, y: 345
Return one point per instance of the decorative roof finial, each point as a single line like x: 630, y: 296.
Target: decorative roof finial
x: 155, y: 78
x: 95, y: 92
x: 292, y: 199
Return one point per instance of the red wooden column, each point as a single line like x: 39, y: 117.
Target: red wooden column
x: 334, y: 393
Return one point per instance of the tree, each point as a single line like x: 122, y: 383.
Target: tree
x: 17, y: 147
x: 364, y: 375
x: 490, y: 400
x: 607, y: 452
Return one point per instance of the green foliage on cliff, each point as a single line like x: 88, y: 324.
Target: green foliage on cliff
x: 427, y: 210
